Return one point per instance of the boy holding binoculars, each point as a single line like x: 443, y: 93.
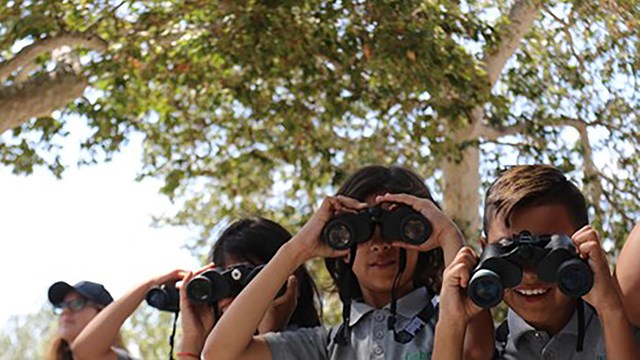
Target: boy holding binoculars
x: 542, y: 321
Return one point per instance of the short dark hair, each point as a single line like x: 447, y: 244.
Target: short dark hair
x: 525, y: 186
x: 257, y: 240
x: 376, y: 179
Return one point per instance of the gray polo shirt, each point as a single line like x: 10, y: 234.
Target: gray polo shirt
x: 370, y: 338
x: 525, y: 342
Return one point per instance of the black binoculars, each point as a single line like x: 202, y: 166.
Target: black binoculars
x: 400, y: 222
x: 554, y: 256
x: 164, y: 298
x: 216, y: 284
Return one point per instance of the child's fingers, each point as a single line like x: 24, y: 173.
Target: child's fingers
x: 203, y: 269
x: 584, y: 235
x: 290, y: 294
x: 351, y: 203
x: 173, y: 276
x: 411, y: 200
x: 592, y: 251
x: 424, y: 247
x: 454, y: 275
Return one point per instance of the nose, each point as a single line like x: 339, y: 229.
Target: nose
x: 378, y: 243
x: 66, y: 311
x: 529, y: 275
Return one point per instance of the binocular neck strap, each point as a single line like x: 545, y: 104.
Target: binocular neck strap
x: 342, y: 335
x: 173, y: 335
x: 581, y: 330
x: 402, y: 264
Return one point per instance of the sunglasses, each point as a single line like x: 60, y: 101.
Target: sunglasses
x: 74, y: 305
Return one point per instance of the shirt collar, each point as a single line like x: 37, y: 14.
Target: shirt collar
x: 519, y: 327
x: 408, y: 306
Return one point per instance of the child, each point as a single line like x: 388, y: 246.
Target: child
x: 252, y: 241
x: 371, y: 276
x: 542, y: 322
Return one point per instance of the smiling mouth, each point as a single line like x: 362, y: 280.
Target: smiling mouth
x: 532, y: 292
x: 382, y: 264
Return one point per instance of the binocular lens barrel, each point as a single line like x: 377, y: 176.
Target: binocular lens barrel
x: 575, y: 278
x: 485, y: 288
x: 157, y: 298
x: 199, y: 289
x: 339, y: 236
x: 415, y: 230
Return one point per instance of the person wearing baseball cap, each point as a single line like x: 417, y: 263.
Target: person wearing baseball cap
x: 76, y: 305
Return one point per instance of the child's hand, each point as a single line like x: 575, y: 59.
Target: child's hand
x: 309, y: 238
x: 455, y: 305
x: 604, y: 294
x: 168, y: 278
x: 196, y: 320
x: 445, y: 232
x: 281, y: 309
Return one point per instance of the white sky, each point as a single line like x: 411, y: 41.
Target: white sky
x: 94, y: 224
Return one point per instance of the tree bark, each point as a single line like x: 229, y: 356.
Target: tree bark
x: 25, y: 57
x: 462, y: 178
x: 38, y: 97
x: 462, y: 191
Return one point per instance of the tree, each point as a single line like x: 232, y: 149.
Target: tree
x: 145, y: 334
x: 27, y: 337
x: 263, y: 106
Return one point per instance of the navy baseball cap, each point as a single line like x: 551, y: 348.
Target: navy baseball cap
x: 94, y: 292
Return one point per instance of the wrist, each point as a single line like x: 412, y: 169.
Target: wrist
x: 192, y: 344
x: 452, y: 326
x: 295, y: 252
x: 609, y: 308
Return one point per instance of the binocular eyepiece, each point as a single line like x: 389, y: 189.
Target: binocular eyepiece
x: 401, y: 222
x: 555, y: 259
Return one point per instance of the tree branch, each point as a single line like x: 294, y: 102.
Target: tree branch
x: 593, y: 187
x: 28, y: 54
x: 521, y: 17
x: 38, y: 96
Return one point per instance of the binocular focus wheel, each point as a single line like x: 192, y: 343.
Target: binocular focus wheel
x: 485, y: 288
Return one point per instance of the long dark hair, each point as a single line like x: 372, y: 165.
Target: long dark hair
x: 257, y: 240
x: 372, y: 180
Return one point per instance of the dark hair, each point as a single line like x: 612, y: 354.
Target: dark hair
x: 525, y: 186
x: 257, y: 240
x: 373, y: 180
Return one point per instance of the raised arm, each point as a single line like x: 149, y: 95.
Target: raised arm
x: 464, y: 330
x: 97, y: 338
x: 604, y: 297
x: 628, y: 275
x: 232, y: 337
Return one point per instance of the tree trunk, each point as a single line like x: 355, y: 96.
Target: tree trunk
x: 462, y: 192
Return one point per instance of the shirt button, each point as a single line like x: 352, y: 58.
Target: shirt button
x: 378, y: 351
x: 378, y: 316
x: 379, y: 334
